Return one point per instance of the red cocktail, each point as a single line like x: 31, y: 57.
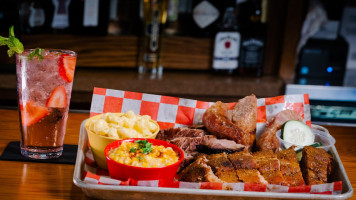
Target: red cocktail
x: 44, y: 85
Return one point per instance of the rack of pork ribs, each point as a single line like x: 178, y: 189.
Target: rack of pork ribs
x: 220, y: 150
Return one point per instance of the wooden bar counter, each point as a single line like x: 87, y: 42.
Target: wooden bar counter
x: 29, y: 180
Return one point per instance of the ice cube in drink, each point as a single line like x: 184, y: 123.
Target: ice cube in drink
x: 44, y: 91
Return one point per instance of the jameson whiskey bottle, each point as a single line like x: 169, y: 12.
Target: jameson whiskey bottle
x: 227, y: 42
x: 154, y: 17
x: 253, y: 39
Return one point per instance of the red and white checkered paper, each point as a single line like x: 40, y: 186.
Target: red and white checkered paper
x: 178, y: 112
x: 267, y: 108
x: 167, y: 111
x: 95, y: 175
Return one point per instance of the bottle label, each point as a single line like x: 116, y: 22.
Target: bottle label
x: 37, y: 17
x: 226, y: 50
x: 172, y: 13
x: 91, y: 13
x: 113, y: 10
x: 252, y: 52
x: 60, y: 16
x: 205, y: 14
x: 152, y: 29
x: 150, y: 57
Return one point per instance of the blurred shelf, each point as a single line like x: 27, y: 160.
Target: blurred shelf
x: 284, y: 23
x: 193, y: 84
x: 121, y: 51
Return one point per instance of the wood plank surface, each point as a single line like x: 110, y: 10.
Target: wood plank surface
x: 27, y: 180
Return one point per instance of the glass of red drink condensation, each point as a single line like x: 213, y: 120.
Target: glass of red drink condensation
x: 44, y: 89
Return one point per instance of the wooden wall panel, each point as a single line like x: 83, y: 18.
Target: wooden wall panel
x: 293, y: 25
x: 186, y: 53
x: 274, y: 37
x: 93, y: 51
x: 121, y: 51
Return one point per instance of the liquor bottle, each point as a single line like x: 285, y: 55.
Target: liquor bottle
x: 227, y: 42
x: 129, y: 17
x: 154, y: 13
x: 171, y: 27
x: 40, y: 16
x: 185, y: 17
x: 253, y: 39
x: 8, y: 16
x: 60, y: 21
x: 89, y: 17
x: 113, y: 26
x: 24, y: 14
x: 205, y: 15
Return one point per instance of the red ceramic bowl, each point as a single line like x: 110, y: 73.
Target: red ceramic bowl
x: 123, y: 172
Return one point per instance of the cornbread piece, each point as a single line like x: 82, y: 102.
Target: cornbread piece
x: 246, y: 167
x: 287, y: 154
x: 290, y: 167
x: 198, y: 171
x: 222, y: 167
x: 274, y: 177
x: 316, y: 165
x: 268, y: 139
x: 269, y: 166
x: 266, y: 161
x: 264, y: 154
x: 291, y: 173
x: 242, y: 160
x: 250, y: 176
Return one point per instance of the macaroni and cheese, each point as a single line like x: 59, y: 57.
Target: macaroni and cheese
x: 122, y: 126
x: 143, y: 154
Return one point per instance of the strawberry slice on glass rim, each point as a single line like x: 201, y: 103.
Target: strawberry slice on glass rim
x: 66, y: 67
x: 58, y: 98
x: 32, y: 113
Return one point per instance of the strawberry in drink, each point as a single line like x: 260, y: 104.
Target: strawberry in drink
x: 44, y: 82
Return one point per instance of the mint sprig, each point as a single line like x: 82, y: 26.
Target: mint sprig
x: 14, y: 44
x: 37, y: 52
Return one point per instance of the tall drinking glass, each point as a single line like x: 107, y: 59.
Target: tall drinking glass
x: 44, y: 86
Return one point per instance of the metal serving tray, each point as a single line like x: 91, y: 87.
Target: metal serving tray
x: 152, y: 193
